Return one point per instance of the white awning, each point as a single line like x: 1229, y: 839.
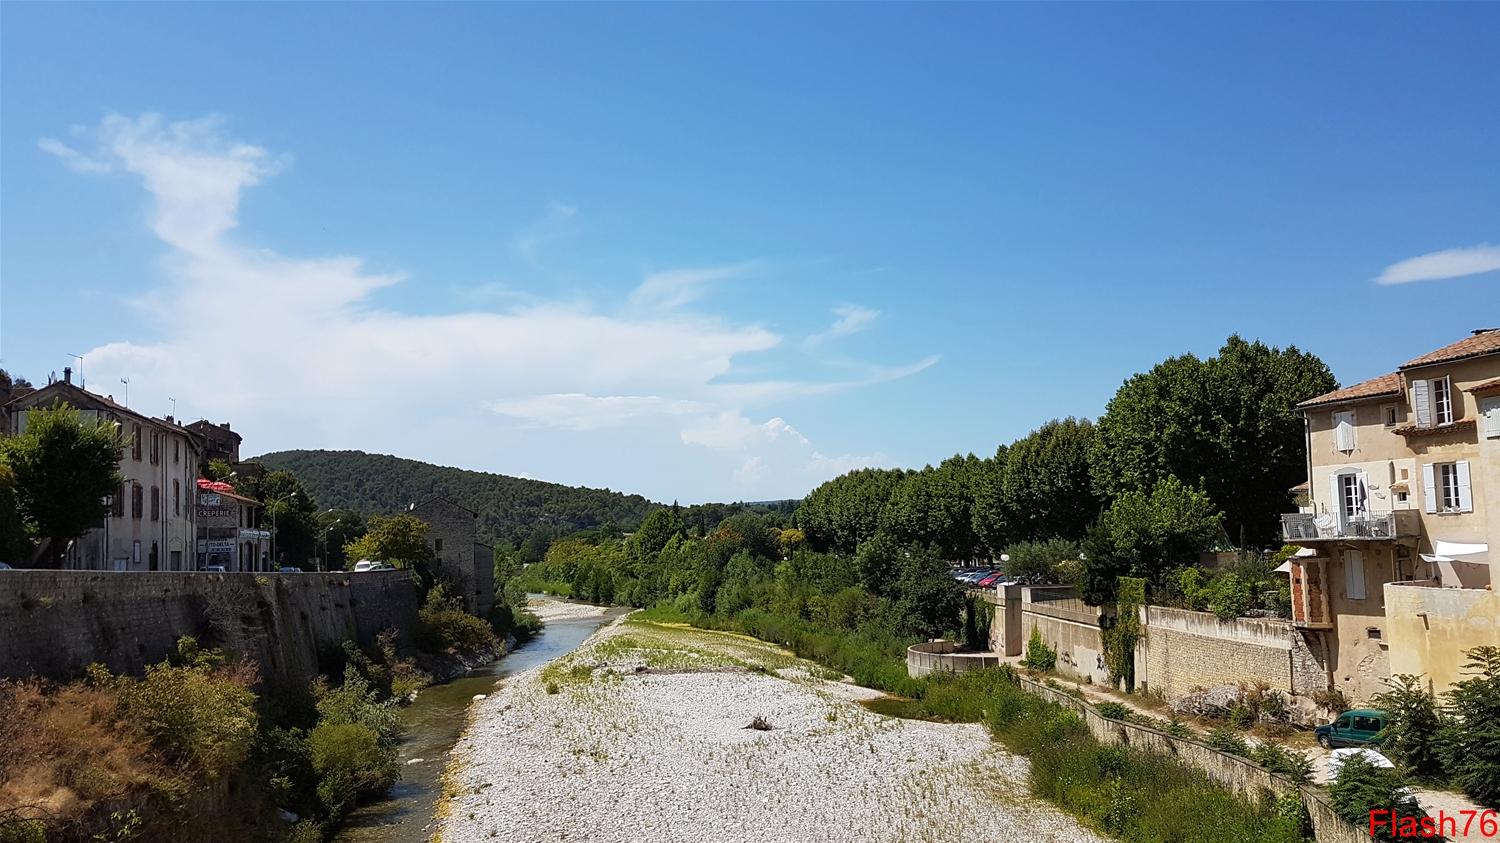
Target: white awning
x: 1474, y: 554
x: 1285, y: 567
x: 1305, y: 552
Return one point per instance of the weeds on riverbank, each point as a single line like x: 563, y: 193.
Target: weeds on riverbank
x: 1131, y: 794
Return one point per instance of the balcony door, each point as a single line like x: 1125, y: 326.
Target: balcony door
x: 1351, y: 499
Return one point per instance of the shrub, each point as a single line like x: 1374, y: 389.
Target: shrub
x: 1225, y: 739
x: 1038, y: 655
x: 197, y: 714
x: 1363, y: 788
x: 1416, y: 730
x: 1113, y: 711
x: 356, y: 702
x: 1287, y: 762
x: 1241, y: 717
x: 1473, y: 742
x: 350, y: 762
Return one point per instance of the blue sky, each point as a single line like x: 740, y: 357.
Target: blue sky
x: 727, y: 251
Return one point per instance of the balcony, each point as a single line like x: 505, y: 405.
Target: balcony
x: 1379, y: 526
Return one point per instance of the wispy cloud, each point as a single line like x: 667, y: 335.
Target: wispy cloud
x: 559, y: 221
x: 677, y: 287
x: 849, y: 319
x: 335, y: 369
x: 1448, y: 263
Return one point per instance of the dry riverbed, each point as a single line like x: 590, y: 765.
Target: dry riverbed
x: 642, y: 734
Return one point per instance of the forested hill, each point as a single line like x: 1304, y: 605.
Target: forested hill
x: 509, y: 508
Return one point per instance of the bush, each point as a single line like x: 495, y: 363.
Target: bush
x: 198, y: 714
x: 1038, y: 655
x: 1414, y: 735
x: 444, y: 627
x: 1225, y: 739
x: 1287, y: 762
x: 1362, y: 788
x: 1472, y: 748
x: 351, y: 762
x: 1113, y: 711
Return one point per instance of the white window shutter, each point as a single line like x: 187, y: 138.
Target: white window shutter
x: 1335, y: 496
x: 1429, y: 488
x: 1490, y: 408
x: 1354, y: 574
x: 1465, y: 494
x: 1421, y: 398
x: 1343, y: 426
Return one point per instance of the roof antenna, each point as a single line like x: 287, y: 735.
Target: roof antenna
x: 126, y: 381
x: 79, y: 358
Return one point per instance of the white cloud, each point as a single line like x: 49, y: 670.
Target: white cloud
x: 677, y: 287
x: 556, y: 224
x: 296, y: 352
x: 1448, y: 263
x: 851, y: 319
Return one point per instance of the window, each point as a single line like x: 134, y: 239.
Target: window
x: 135, y: 443
x: 1354, y: 574
x: 137, y: 507
x: 1372, y: 633
x: 155, y: 503
x: 176, y: 450
x: 1389, y: 416
x: 177, y: 497
x: 1343, y: 431
x: 135, y: 549
x: 155, y: 448
x: 117, y: 506
x: 437, y: 545
x: 1366, y: 724
x: 1447, y: 487
x: 1442, y: 402
x: 177, y: 560
x: 1489, y: 410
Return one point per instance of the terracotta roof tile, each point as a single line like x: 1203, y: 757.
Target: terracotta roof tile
x: 1486, y: 342
x: 1487, y: 386
x: 1414, y: 430
x: 1383, y: 385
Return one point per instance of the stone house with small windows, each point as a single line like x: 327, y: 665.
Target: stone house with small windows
x: 1404, y: 473
x: 149, y: 525
x: 461, y: 559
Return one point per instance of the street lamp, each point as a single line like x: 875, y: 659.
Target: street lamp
x: 286, y: 497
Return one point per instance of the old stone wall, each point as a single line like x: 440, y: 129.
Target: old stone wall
x: 1067, y: 625
x: 55, y: 623
x: 1184, y: 650
x: 943, y: 657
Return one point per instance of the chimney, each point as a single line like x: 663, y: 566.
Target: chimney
x: 67, y: 374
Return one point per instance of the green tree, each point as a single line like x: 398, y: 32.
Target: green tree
x: 1047, y: 488
x: 15, y: 538
x: 655, y: 531
x: 291, y: 512
x: 1415, y: 733
x: 845, y: 512
x: 1472, y: 745
x: 1228, y: 424
x: 336, y: 529
x: 64, y: 468
x: 1147, y: 535
x: 992, y: 520
x: 399, y: 539
x: 934, y: 508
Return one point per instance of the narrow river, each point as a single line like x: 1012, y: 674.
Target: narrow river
x: 433, y: 724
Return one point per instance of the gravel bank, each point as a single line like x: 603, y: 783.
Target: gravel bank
x: 556, y: 610
x: 645, y: 738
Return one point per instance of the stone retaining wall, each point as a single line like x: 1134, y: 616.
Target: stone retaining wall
x: 55, y: 623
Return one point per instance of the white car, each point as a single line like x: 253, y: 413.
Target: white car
x: 371, y: 565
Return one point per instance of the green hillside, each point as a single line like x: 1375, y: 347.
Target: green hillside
x: 509, y: 508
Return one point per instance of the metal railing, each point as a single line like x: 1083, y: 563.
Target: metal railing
x: 1297, y: 526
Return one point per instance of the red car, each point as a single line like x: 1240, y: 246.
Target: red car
x: 990, y: 581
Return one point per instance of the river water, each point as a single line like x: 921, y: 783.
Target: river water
x: 433, y: 724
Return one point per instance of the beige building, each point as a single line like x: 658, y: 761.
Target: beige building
x: 461, y: 559
x: 150, y: 522
x: 1403, y: 470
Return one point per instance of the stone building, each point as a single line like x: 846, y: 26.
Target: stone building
x: 461, y: 558
x: 150, y: 523
x: 219, y: 442
x: 231, y: 534
x: 1396, y: 573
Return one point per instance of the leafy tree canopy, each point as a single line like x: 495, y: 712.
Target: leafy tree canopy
x: 64, y: 468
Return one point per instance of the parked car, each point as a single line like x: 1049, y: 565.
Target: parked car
x: 1357, y: 727
x: 213, y: 569
x: 976, y: 576
x: 992, y: 580
x: 288, y: 569
x: 5, y: 567
x: 371, y: 565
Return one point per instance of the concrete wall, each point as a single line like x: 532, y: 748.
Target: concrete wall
x: 943, y: 657
x: 54, y: 623
x: 1007, y: 635
x: 1067, y: 625
x: 1431, y: 628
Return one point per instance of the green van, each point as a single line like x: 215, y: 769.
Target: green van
x: 1357, y: 727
